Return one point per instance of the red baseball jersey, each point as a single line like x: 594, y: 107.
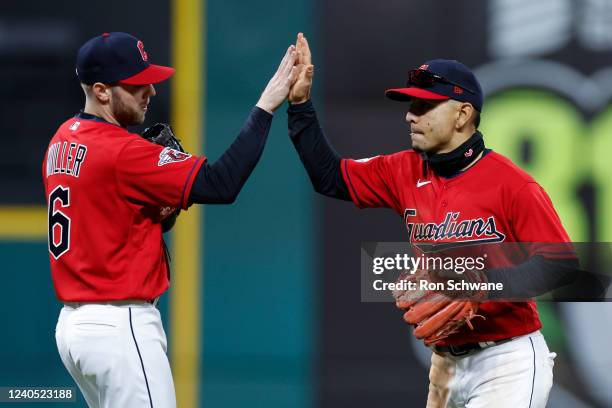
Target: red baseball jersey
x: 105, y: 189
x: 493, y: 202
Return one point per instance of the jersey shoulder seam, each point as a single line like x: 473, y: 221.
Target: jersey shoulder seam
x: 515, y: 170
x: 518, y: 192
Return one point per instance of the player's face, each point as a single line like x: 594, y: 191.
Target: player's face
x: 432, y: 125
x: 129, y: 103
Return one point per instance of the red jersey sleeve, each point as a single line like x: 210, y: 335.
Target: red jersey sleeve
x: 370, y: 182
x: 156, y: 175
x: 534, y: 219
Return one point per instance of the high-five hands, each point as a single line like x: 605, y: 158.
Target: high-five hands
x: 300, y: 91
x: 278, y: 88
x: 292, y: 79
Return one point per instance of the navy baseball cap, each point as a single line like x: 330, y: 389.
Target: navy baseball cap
x: 441, y: 79
x: 118, y: 57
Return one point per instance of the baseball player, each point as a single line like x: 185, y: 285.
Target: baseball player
x: 450, y: 188
x: 108, y: 191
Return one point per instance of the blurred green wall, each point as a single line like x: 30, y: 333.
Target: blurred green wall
x: 258, y: 253
x: 28, y: 354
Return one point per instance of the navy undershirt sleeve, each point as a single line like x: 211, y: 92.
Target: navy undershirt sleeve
x: 319, y: 158
x: 220, y: 182
x: 536, y: 276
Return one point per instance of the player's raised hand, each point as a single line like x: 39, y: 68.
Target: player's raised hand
x: 300, y: 91
x: 278, y: 88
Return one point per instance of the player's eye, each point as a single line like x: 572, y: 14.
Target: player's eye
x: 421, y: 106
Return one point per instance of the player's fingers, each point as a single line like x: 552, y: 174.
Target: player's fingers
x: 299, y: 44
x: 289, y: 65
x: 293, y: 75
x: 289, y: 58
x: 285, y: 61
x: 298, y: 41
x: 305, y: 50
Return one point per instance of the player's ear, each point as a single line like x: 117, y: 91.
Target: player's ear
x: 463, y: 115
x: 101, y: 92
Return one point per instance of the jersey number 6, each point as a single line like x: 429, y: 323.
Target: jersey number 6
x: 58, y: 245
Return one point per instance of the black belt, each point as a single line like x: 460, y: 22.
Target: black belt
x: 468, y: 348
x: 113, y: 302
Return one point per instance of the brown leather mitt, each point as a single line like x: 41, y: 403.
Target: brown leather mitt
x: 438, y: 312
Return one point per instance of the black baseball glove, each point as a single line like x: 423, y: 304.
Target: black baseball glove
x: 161, y: 134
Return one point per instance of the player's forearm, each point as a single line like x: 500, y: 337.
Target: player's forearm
x: 534, y: 277
x: 221, y: 182
x: 319, y: 158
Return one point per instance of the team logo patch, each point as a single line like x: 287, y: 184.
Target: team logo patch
x: 75, y: 125
x: 169, y: 155
x: 457, y: 90
x: 143, y: 53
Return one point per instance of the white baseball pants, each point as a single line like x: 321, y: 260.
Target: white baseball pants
x: 515, y: 374
x: 116, y: 353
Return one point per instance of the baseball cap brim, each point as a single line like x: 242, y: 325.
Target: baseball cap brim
x: 153, y: 74
x: 405, y: 94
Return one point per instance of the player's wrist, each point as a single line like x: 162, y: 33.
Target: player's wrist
x: 299, y: 101
x: 266, y: 107
x: 306, y: 106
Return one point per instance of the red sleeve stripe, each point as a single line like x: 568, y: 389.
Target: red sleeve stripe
x: 349, y: 183
x: 189, y: 183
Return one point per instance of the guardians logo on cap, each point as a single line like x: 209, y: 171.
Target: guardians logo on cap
x: 441, y: 79
x: 118, y: 58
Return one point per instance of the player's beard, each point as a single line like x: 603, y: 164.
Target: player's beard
x: 125, y: 114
